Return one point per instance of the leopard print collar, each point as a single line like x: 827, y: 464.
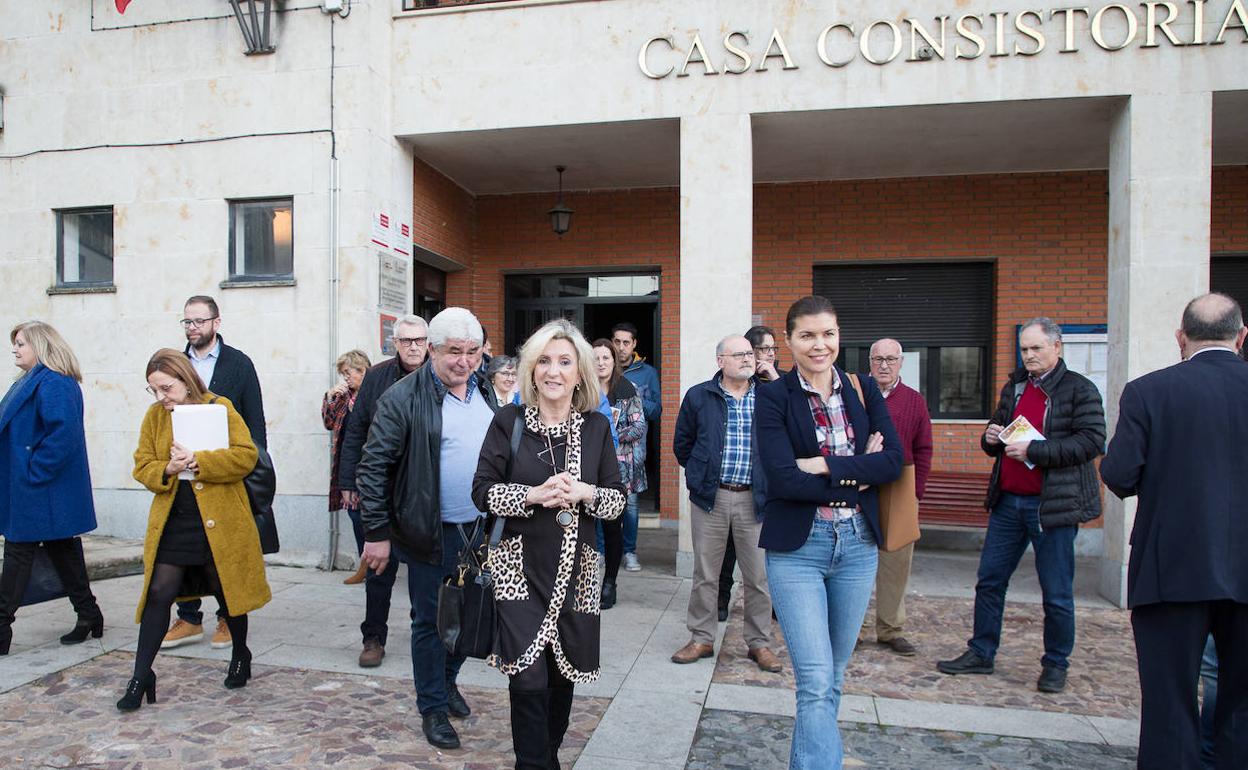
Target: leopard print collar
x: 533, y: 421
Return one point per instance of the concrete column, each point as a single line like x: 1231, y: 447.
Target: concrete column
x: 716, y: 255
x: 1159, y: 190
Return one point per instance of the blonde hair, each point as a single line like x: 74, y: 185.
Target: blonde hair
x: 587, y: 395
x: 50, y: 347
x: 353, y: 359
x: 175, y: 364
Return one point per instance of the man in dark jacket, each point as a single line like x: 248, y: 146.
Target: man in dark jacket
x: 715, y: 444
x: 1179, y: 446
x: 415, y: 485
x: 411, y: 341
x: 1041, y: 490
x: 228, y: 373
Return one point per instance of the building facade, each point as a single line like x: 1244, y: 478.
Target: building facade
x: 942, y: 175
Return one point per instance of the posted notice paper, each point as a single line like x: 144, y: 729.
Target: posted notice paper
x: 1021, y: 430
x: 200, y: 427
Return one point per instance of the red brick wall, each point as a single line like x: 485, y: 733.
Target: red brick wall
x: 1047, y: 233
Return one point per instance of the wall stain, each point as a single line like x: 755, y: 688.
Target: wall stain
x: 184, y: 212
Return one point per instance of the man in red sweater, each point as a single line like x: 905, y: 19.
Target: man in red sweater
x: 908, y: 409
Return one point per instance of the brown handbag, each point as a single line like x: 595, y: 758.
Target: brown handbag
x: 899, y: 503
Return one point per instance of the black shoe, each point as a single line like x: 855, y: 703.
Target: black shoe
x: 455, y: 702
x: 968, y: 662
x: 135, y: 690
x: 6, y: 639
x: 723, y: 612
x: 901, y: 645
x: 438, y: 731
x: 608, y: 594
x: 83, y: 628
x: 239, y: 671
x: 1052, y: 679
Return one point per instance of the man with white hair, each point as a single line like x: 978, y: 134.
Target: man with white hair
x: 417, y: 506
x: 411, y: 343
x: 913, y: 422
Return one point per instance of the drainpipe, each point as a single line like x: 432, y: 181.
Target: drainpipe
x: 334, y: 277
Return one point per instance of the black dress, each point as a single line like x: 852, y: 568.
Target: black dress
x: 546, y: 572
x: 183, y: 541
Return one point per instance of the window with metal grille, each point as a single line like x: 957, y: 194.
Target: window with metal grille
x: 941, y: 313
x: 84, y: 247
x: 262, y: 239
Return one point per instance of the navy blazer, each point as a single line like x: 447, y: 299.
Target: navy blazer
x: 234, y: 378
x: 1179, y: 446
x: 782, y: 418
x: 45, y: 481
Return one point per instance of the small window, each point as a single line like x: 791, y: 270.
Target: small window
x: 84, y: 247
x: 262, y: 239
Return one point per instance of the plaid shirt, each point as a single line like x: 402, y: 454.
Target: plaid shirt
x: 737, y: 467
x: 833, y: 431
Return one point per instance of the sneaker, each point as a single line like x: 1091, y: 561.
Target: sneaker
x: 181, y: 633
x: 221, y: 638
x: 630, y: 563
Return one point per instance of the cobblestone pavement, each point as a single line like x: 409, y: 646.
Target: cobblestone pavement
x: 1102, y: 681
x: 729, y: 740
x: 284, y: 718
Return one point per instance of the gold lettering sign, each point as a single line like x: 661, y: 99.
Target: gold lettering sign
x: 1110, y: 27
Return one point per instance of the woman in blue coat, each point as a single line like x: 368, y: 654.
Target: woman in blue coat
x: 45, y: 485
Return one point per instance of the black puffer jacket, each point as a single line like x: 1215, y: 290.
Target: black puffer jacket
x: 377, y: 380
x: 1074, y: 432
x: 400, y: 468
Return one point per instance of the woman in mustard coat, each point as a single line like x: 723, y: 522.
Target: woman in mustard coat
x: 201, y: 537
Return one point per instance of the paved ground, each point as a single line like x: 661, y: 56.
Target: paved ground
x: 310, y: 706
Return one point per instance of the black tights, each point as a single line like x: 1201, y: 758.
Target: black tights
x: 613, y: 546
x: 161, y: 593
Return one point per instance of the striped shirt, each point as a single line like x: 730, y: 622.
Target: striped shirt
x: 833, y: 431
x: 738, y: 465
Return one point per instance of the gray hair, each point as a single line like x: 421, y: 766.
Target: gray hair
x: 1047, y: 325
x: 1213, y: 317
x: 410, y: 320
x: 454, y: 323
x: 719, y: 346
x: 497, y: 364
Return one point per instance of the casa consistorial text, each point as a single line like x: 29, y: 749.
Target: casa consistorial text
x: 967, y: 36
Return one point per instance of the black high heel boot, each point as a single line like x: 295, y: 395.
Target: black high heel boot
x: 135, y: 690
x: 83, y: 628
x: 239, y: 671
x: 6, y: 639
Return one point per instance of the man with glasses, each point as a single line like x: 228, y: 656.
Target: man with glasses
x: 411, y: 344
x: 908, y: 409
x: 715, y: 444
x: 228, y: 373
x: 415, y: 484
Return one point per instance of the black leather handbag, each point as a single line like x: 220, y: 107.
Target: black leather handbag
x: 466, y: 613
x: 45, y: 583
x: 261, y: 486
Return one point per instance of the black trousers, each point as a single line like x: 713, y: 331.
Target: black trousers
x: 66, y: 557
x: 1169, y: 640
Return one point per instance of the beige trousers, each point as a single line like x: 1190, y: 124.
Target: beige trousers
x: 890, y: 592
x: 710, y: 538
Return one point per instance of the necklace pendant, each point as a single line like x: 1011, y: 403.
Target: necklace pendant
x: 565, y: 518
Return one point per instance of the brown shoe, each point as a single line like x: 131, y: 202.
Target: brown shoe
x: 358, y: 577
x: 766, y: 660
x: 372, y: 654
x: 181, y: 633
x: 222, y: 639
x: 693, y: 652
x: 900, y: 645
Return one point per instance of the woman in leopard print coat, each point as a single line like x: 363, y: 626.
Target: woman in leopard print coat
x: 563, y: 476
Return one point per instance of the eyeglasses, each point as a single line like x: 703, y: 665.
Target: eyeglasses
x: 738, y: 357
x: 881, y: 360
x: 162, y: 391
x: 407, y: 342
x: 505, y: 373
x: 188, y: 323
x: 765, y: 349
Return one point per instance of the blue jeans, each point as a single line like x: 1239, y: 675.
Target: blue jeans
x: 377, y: 589
x: 630, y: 524
x: 432, y: 668
x: 821, y: 592
x: 1013, y: 523
x: 1208, y: 675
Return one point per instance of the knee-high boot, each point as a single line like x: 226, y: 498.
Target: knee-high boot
x: 560, y: 714
x: 530, y: 730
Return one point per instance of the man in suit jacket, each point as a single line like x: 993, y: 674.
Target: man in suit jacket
x: 1179, y: 446
x: 229, y: 373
